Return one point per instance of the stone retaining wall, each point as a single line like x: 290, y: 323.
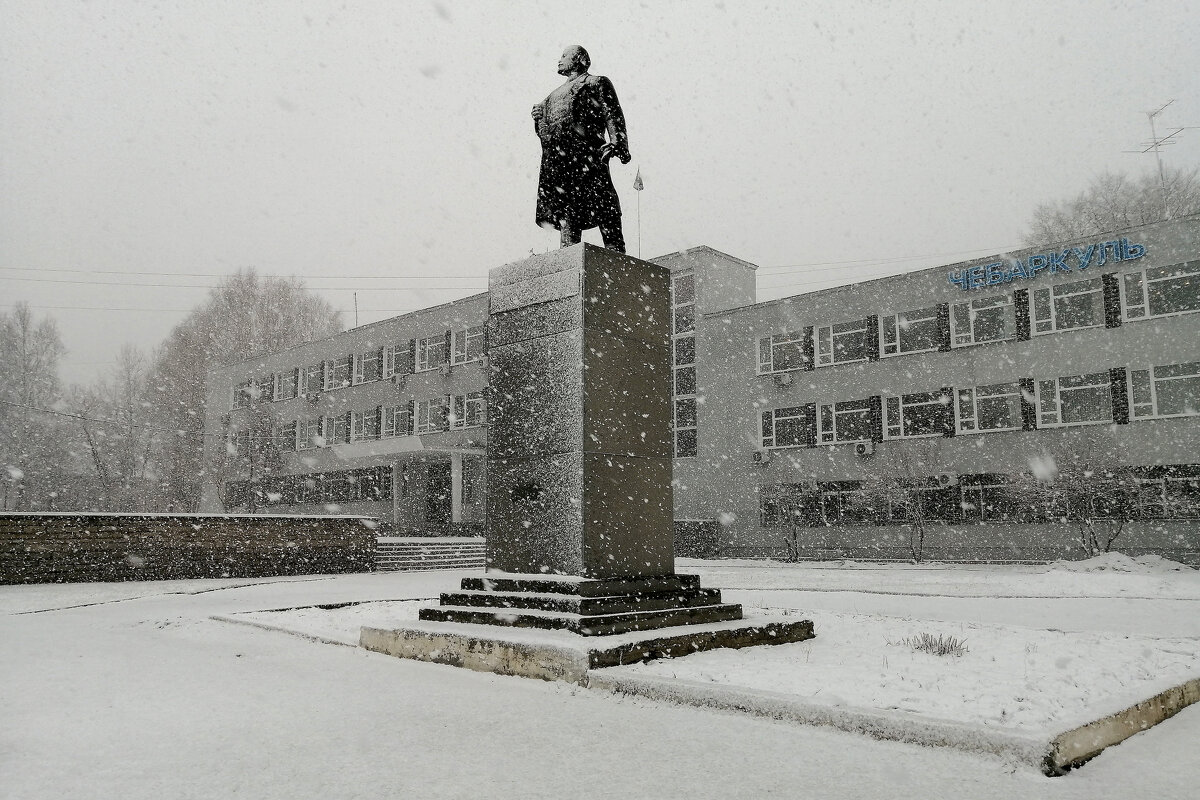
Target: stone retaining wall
x: 68, y: 547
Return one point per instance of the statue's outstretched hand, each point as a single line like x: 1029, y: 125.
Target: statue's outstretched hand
x: 537, y: 111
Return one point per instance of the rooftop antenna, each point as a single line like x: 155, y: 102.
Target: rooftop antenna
x: 1155, y: 145
x: 356, y: 309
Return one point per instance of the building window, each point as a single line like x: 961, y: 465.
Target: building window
x: 988, y: 498
x: 1066, y: 306
x: 337, y: 429
x: 937, y: 502
x: 264, y: 392
x: 995, y: 407
x: 364, y: 425
x: 395, y: 421
x: 1074, y: 400
x: 431, y: 352
x: 914, y: 415
x: 314, y: 379
x: 843, y: 343
x: 911, y: 332
x: 338, y: 373
x: 683, y: 303
x: 395, y: 360
x: 685, y: 381
x: 309, y: 435
x: 431, y: 416
x: 367, y: 367
x: 1160, y: 291
x: 845, y: 503
x: 468, y: 411
x: 468, y: 345
x: 1172, y: 390
x: 287, y: 384
x: 1169, y: 497
x: 988, y: 319
x: 242, y: 394
x: 849, y: 421
x: 285, y: 437
x: 685, y: 350
x: 781, y: 352
x: 685, y: 427
x: 785, y: 427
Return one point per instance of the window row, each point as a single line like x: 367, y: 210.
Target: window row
x: 1173, y: 493
x: 1114, y: 395
x: 345, y: 486
x: 449, y: 412
x: 1101, y: 301
x: 418, y: 355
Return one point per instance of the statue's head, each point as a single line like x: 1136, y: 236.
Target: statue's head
x: 574, y: 59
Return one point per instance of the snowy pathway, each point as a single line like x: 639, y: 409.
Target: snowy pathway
x: 143, y: 696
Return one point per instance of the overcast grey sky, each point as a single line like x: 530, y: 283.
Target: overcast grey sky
x: 386, y: 147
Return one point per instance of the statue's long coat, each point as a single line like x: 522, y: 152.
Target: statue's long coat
x: 574, y: 181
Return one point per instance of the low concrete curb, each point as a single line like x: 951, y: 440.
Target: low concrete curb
x: 1076, y: 746
x: 1052, y: 756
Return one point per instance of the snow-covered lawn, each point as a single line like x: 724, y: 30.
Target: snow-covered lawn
x: 132, y: 690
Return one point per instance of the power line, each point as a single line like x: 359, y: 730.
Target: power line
x: 227, y: 274
x: 185, y: 310
x: 799, y: 267
x: 819, y: 265
x: 218, y: 286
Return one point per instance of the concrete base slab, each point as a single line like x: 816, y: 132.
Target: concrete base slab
x: 564, y: 656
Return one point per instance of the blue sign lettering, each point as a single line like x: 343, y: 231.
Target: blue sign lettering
x: 1100, y: 253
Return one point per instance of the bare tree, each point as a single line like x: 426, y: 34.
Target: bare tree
x: 898, y: 487
x: 245, y: 316
x: 793, y: 506
x: 1083, y: 482
x: 119, y: 436
x: 32, y: 452
x: 1113, y: 202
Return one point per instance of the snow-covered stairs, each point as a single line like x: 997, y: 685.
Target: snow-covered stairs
x: 393, y: 553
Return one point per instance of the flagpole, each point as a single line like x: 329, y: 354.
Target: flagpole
x: 637, y: 185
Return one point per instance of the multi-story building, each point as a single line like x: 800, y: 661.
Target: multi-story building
x: 387, y: 420
x: 828, y: 423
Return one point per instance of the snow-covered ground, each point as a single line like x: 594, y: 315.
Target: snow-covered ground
x: 132, y: 690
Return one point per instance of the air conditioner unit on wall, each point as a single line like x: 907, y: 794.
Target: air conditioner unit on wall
x: 864, y: 449
x: 445, y: 369
x: 313, y: 397
x: 762, y: 457
x: 947, y: 479
x: 783, y: 379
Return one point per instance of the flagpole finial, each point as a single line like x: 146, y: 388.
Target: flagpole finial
x: 637, y: 180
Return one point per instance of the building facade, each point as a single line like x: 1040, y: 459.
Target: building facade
x: 930, y: 413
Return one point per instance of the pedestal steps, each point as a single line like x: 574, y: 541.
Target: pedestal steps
x: 594, y: 625
x: 586, y: 606
x: 589, y: 607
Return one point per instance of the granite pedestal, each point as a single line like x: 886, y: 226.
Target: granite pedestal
x: 580, y: 446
